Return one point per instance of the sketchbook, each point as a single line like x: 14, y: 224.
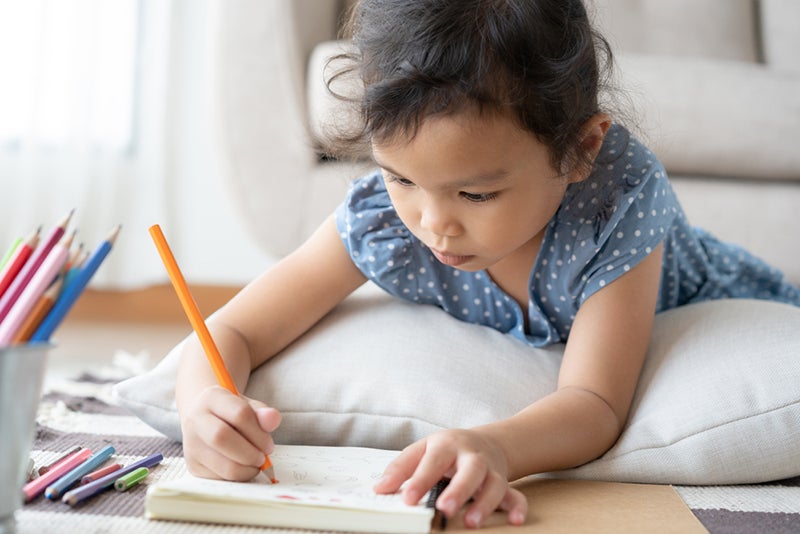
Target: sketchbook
x: 325, y: 488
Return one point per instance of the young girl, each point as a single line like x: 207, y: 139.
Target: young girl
x: 506, y: 197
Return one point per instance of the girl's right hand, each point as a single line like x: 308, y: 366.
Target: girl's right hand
x: 226, y: 436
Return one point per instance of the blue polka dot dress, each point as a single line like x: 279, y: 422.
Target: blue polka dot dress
x: 603, y: 228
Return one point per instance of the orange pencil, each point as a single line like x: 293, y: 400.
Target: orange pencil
x: 198, y: 324
x: 39, y: 311
x: 73, y: 258
x: 17, y: 260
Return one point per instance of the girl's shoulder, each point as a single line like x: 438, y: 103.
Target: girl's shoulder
x: 626, y: 185
x: 612, y: 220
x: 378, y: 242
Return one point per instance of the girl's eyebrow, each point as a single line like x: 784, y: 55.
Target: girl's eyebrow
x: 481, y: 179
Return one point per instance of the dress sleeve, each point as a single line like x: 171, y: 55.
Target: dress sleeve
x: 639, y: 222
x: 378, y: 242
x: 611, y: 222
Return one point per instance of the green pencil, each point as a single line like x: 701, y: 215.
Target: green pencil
x: 10, y: 251
x: 126, y: 482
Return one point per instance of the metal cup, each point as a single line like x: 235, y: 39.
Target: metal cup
x: 21, y: 373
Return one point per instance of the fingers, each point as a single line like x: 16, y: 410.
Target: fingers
x: 474, y: 467
x: 436, y: 462
x: 401, y: 468
x: 208, y: 463
x: 473, y: 479
x: 248, y: 442
x: 226, y: 436
x: 496, y: 490
x: 516, y: 504
x: 268, y: 418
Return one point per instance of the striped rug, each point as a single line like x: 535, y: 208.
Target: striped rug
x: 81, y: 411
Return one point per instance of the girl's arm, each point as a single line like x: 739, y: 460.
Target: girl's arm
x: 574, y: 425
x: 597, y: 379
x: 226, y: 436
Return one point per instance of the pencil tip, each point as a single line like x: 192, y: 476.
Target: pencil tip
x: 67, y: 239
x: 270, y: 474
x: 66, y: 219
x: 114, y: 233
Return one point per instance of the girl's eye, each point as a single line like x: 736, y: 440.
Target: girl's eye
x: 405, y: 182
x: 478, y: 197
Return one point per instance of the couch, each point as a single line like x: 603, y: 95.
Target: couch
x: 715, y: 88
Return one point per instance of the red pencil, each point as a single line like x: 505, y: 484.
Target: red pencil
x: 31, y: 266
x: 100, y: 473
x: 17, y: 260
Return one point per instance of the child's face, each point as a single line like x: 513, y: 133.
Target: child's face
x: 476, y: 189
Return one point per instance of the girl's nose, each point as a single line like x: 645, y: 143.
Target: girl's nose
x: 438, y: 220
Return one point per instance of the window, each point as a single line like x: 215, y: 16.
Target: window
x: 69, y: 74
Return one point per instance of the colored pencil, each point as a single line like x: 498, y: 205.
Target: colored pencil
x: 42, y: 278
x: 31, y: 266
x: 10, y: 252
x: 73, y: 289
x: 126, y: 482
x: 73, y: 497
x: 57, y: 488
x: 39, y: 311
x: 73, y: 271
x: 73, y: 257
x: 38, y: 485
x: 17, y: 260
x: 31, y: 472
x: 100, y: 473
x: 198, y: 324
x: 45, y: 468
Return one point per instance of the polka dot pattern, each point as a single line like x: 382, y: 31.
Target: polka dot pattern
x: 604, y: 227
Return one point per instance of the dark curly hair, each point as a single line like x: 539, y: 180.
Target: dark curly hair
x: 539, y: 61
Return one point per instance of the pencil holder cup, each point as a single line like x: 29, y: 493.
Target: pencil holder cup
x: 21, y: 374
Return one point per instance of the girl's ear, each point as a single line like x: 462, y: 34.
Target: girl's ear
x: 592, y: 136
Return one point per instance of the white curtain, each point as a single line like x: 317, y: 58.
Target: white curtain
x: 82, y: 104
x: 105, y: 108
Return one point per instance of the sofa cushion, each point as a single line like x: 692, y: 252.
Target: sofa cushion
x: 717, y: 118
x: 718, y: 401
x: 711, y: 29
x: 779, y: 32
x: 700, y: 116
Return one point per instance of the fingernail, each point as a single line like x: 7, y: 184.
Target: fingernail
x: 517, y: 517
x: 448, y: 507
x: 473, y: 519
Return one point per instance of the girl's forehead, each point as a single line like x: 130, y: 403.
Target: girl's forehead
x: 455, y: 144
x: 464, y: 125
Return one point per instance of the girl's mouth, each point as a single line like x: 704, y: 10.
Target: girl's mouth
x: 450, y: 259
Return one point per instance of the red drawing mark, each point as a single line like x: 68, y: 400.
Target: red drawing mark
x: 289, y: 497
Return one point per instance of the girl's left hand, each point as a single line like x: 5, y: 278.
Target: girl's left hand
x: 476, y: 466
